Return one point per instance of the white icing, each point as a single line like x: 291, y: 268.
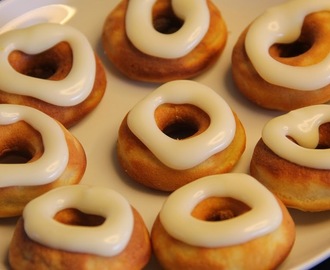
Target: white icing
x: 53, y: 161
x: 303, y: 126
x: 108, y: 239
x: 282, y: 24
x: 264, y: 217
x: 141, y: 32
x: 71, y: 90
x: 192, y: 150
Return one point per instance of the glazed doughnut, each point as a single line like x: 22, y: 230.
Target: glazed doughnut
x: 227, y: 221
x: 52, y: 68
x: 292, y: 158
x: 80, y: 227
x: 180, y: 132
x: 173, y: 54
x: 36, y: 154
x: 281, y: 61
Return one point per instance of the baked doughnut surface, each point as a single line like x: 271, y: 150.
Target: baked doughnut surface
x: 51, y: 68
x: 204, y: 230
x: 291, y: 158
x: 168, y: 144
x: 129, y: 248
x: 141, y: 65
x: 285, y: 69
x: 37, y: 154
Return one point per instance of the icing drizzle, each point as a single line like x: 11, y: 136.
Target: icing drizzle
x: 193, y: 150
x: 54, y: 159
x: 71, y: 90
x: 140, y: 30
x: 282, y: 24
x: 303, y: 126
x: 108, y: 239
x: 264, y: 217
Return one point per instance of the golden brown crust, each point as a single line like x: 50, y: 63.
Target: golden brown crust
x: 139, y: 66
x: 59, y: 59
x: 27, y: 140
x: 142, y: 166
x: 266, y: 252
x: 298, y: 187
x: 315, y: 34
x: 25, y: 253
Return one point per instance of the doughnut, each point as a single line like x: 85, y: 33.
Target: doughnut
x: 80, y: 227
x: 180, y: 132
x: 162, y: 40
x: 281, y: 61
x: 227, y: 221
x: 52, y: 68
x: 292, y: 158
x: 36, y: 154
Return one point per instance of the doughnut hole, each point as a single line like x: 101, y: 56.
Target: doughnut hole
x: 52, y: 64
x: 219, y: 209
x: 181, y: 121
x: 75, y: 217
x: 290, y: 50
x: 20, y: 143
x: 164, y: 19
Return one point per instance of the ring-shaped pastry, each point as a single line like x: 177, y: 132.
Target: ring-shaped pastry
x: 291, y: 158
x: 202, y: 224
x: 80, y: 227
x: 180, y: 132
x: 173, y: 21
x: 37, y: 154
x: 281, y: 60
x: 54, y: 57
x: 108, y: 239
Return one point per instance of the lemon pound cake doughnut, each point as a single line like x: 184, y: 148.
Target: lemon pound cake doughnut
x: 36, y: 154
x: 52, y: 68
x: 292, y: 158
x: 164, y: 40
x: 281, y: 61
x: 80, y: 227
x: 180, y: 132
x: 227, y: 221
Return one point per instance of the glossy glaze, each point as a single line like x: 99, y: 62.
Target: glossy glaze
x: 107, y: 239
x: 264, y: 217
x: 282, y: 24
x: 192, y: 150
x: 141, y: 32
x: 71, y: 90
x: 303, y: 126
x: 54, y: 159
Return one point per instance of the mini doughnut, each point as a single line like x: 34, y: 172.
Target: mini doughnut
x: 292, y: 158
x: 36, y: 154
x: 187, y: 37
x: 180, y: 132
x: 52, y: 68
x: 80, y: 227
x: 281, y: 61
x: 227, y: 221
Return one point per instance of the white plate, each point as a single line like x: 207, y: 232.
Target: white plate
x: 98, y: 131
